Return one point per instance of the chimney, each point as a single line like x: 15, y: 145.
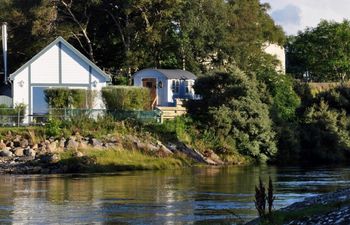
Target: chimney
x: 4, y: 48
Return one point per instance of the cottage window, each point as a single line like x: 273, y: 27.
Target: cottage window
x: 175, y: 86
x: 189, y: 87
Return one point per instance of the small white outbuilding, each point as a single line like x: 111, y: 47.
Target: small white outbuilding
x: 59, y: 65
x: 166, y: 86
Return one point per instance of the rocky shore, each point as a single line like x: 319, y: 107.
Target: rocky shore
x: 327, y: 209
x: 22, y: 155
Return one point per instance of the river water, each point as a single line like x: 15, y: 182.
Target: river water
x: 191, y: 196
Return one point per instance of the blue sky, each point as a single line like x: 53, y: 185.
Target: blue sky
x: 295, y: 15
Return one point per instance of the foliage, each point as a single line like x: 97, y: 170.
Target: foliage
x: 126, y: 98
x: 285, y: 100
x: 231, y: 107
x: 12, y: 115
x: 260, y: 198
x: 325, y: 134
x: 53, y: 128
x: 61, y: 98
x: 85, y: 125
x: 337, y: 98
x: 124, y: 36
x: 321, y: 52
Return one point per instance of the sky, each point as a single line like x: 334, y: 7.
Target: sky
x: 295, y: 15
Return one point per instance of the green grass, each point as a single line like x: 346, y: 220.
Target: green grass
x: 113, y: 160
x: 281, y: 217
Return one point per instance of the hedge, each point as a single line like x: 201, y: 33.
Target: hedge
x: 126, y: 98
x: 60, y: 98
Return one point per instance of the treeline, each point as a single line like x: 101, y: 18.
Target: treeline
x: 124, y: 36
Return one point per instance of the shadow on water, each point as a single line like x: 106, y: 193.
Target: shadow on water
x: 193, y: 196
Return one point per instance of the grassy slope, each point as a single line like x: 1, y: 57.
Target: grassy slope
x: 120, y: 160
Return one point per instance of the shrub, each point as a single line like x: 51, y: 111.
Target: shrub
x: 60, y: 98
x: 233, y: 110
x: 10, y: 115
x: 126, y: 98
x: 52, y: 128
x: 325, y: 135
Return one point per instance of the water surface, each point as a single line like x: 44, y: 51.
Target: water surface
x: 192, y: 196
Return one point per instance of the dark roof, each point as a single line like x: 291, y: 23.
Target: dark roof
x: 69, y: 46
x: 176, y: 74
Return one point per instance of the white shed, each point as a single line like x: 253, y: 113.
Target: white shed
x: 59, y: 65
x: 166, y: 85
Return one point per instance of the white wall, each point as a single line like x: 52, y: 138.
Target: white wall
x: 45, y: 69
x: 45, y: 72
x: 162, y: 93
x: 98, y: 103
x: 279, y: 52
x: 21, y: 94
x: 74, y: 69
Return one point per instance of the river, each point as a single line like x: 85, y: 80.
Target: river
x: 191, y: 196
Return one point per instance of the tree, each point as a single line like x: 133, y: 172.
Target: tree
x: 325, y: 135
x: 31, y: 25
x: 233, y: 110
x: 322, y: 52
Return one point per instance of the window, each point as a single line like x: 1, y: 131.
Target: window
x: 189, y: 87
x: 175, y: 87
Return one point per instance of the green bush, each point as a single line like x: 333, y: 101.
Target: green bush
x: 126, y: 98
x: 233, y: 110
x: 325, y: 135
x: 10, y: 115
x: 60, y: 98
x: 52, y: 128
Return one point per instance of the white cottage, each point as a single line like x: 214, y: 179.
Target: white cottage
x: 58, y: 65
x: 166, y: 86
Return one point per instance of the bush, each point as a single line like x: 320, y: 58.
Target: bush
x: 10, y: 115
x: 52, y: 128
x: 126, y: 98
x: 59, y: 98
x: 233, y: 110
x: 325, y: 135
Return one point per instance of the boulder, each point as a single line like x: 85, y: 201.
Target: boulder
x: 50, y: 158
x: 164, y: 151
x: 72, y: 144
x: 214, y: 157
x: 52, y: 147
x: 17, y: 141
x: 151, y: 147
x: 83, y: 144
x: 2, y: 145
x: 95, y: 143
x: 24, y: 143
x: 19, y: 152
x: 35, y: 146
x: 78, y: 154
x: 6, y: 153
x: 62, y: 143
x: 29, y: 152
x: 10, y: 144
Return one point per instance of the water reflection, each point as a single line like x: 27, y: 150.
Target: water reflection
x: 197, y: 196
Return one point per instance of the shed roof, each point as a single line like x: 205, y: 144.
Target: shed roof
x: 70, y: 47
x: 175, y: 74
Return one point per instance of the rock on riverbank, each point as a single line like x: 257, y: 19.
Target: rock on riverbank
x: 21, y: 155
x: 328, y: 209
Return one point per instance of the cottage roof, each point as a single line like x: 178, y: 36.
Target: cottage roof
x: 175, y: 74
x: 69, y: 46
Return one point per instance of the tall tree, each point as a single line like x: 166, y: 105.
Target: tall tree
x: 322, y: 53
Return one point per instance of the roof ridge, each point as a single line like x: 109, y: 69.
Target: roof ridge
x: 49, y: 46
